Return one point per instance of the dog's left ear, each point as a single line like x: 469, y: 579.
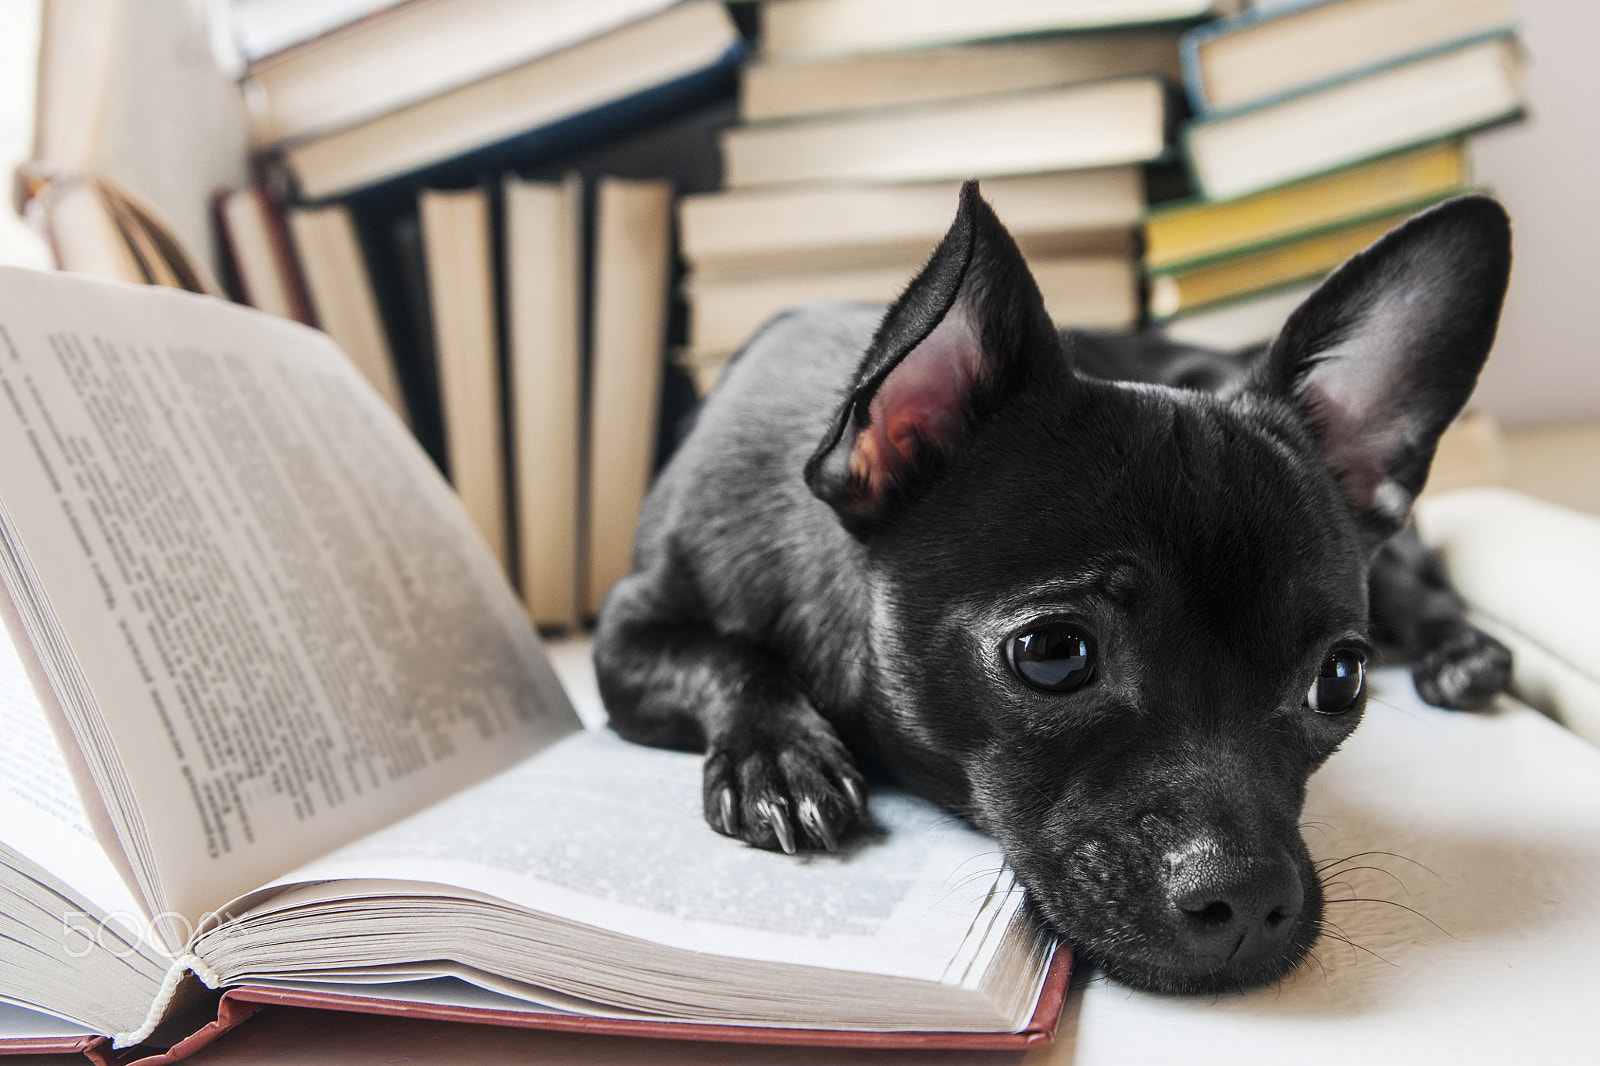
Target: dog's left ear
x: 969, y: 331
x: 1382, y: 356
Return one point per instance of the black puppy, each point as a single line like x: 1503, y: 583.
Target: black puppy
x: 1115, y: 625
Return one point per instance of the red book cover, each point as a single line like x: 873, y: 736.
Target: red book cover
x: 238, y: 1004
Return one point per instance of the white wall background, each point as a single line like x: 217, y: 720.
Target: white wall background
x: 19, y: 54
x: 1546, y: 365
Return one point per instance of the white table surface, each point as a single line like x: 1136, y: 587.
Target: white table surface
x: 1497, y: 817
x: 1493, y: 822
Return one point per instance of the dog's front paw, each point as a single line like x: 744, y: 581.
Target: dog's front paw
x: 1463, y: 672
x: 783, y: 785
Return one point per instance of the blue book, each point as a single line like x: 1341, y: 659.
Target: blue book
x: 1389, y: 109
x: 1301, y: 45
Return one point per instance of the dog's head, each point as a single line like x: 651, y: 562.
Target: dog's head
x: 1121, y: 624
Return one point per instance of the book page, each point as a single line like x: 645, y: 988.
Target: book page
x: 72, y: 938
x: 41, y: 816
x: 20, y: 1023
x: 610, y: 834
x: 266, y: 620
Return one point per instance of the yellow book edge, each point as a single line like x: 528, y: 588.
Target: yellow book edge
x: 1282, y: 263
x: 1182, y: 235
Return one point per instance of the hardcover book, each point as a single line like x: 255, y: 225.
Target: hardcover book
x: 778, y: 90
x: 1367, y: 116
x: 264, y: 272
x: 1089, y: 290
x: 1182, y: 234
x: 627, y: 348
x: 538, y: 109
x: 1235, y: 325
x: 278, y: 725
x: 1107, y: 123
x: 545, y: 268
x: 822, y: 26
x: 342, y: 297
x: 1267, y: 51
x: 459, y: 252
x: 745, y: 232
x: 413, y: 51
x: 1215, y: 281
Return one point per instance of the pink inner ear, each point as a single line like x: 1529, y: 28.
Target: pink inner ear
x: 924, y: 397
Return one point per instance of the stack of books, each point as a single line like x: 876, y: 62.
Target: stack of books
x: 1318, y: 126
x: 860, y: 118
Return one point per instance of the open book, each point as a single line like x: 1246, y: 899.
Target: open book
x: 274, y: 719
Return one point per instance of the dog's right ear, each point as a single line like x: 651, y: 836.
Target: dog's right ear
x: 1384, y: 354
x: 969, y: 331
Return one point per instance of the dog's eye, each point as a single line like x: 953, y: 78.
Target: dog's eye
x: 1058, y: 658
x: 1339, y: 682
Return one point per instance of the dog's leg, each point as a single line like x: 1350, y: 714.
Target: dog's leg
x: 776, y: 774
x: 1418, y: 616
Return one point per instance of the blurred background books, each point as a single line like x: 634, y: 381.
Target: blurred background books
x: 541, y: 230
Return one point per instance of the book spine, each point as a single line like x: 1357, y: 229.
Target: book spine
x: 1191, y: 42
x: 543, y: 143
x: 283, y: 251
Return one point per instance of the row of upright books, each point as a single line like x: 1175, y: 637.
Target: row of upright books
x: 1317, y: 126
x: 540, y: 312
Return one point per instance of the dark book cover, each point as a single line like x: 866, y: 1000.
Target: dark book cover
x: 391, y: 243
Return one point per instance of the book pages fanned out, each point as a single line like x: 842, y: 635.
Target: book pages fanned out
x: 909, y: 920
x: 276, y: 723
x: 264, y: 619
x: 94, y: 963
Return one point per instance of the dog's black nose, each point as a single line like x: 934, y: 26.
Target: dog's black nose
x: 1235, y: 911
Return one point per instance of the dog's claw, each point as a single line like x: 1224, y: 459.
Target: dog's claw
x: 779, y: 822
x: 782, y: 784
x: 811, y: 818
x: 858, y: 798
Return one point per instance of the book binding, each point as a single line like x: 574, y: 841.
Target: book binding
x: 1039, y: 1031
x: 238, y: 1004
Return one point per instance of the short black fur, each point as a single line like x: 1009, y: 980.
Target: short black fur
x: 875, y: 507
